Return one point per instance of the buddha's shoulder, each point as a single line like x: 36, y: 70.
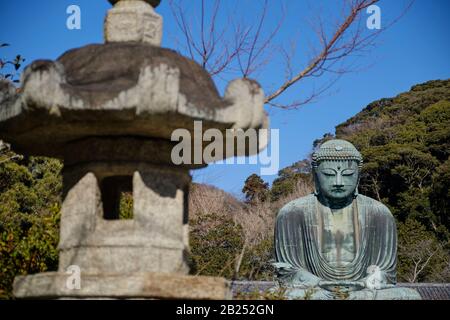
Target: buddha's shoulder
x: 298, y: 206
x: 373, y: 204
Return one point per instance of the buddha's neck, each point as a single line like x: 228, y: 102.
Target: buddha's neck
x: 335, y: 204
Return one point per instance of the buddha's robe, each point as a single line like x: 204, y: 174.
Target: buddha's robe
x: 303, y: 241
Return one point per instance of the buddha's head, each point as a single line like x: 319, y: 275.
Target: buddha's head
x: 336, y: 165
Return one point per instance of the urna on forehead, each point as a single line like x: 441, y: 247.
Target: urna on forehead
x: 336, y: 150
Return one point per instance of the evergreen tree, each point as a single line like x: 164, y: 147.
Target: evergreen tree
x: 255, y: 189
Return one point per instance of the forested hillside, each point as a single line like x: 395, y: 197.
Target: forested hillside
x: 405, y: 142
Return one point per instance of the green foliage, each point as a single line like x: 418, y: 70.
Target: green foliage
x: 29, y: 218
x: 327, y: 136
x: 15, y: 64
x: 421, y: 256
x: 255, y: 189
x: 126, y: 206
x: 440, y: 194
x: 278, y: 294
x: 216, y: 242
x: 219, y: 248
x: 256, y: 263
x: 289, y: 177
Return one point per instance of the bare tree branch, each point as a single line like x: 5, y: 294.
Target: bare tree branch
x: 335, y: 50
x: 251, y: 47
x: 331, y: 50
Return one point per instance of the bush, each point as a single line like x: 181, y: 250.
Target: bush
x: 216, y: 242
x: 29, y: 218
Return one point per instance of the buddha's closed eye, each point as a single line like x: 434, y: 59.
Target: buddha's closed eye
x: 345, y: 172
x: 329, y: 172
x: 348, y: 172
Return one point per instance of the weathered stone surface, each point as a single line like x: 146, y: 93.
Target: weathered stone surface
x: 121, y: 89
x: 132, y: 286
x: 121, y: 149
x: 133, y: 20
x: 7, y: 92
x: 155, y: 237
x: 153, y: 3
x: 125, y: 258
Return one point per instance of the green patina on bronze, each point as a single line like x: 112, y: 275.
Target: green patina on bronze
x: 336, y: 241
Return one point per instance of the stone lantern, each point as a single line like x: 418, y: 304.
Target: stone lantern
x: 108, y: 111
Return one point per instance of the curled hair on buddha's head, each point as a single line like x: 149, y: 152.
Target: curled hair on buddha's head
x: 336, y: 150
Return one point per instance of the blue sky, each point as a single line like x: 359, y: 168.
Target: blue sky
x: 414, y: 50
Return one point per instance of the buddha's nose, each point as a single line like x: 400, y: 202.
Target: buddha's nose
x: 338, y: 182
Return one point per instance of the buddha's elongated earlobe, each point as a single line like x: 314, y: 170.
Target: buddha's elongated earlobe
x: 355, y: 193
x: 316, y: 191
x: 316, y: 182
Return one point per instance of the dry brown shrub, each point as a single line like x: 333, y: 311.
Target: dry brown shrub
x: 257, y: 220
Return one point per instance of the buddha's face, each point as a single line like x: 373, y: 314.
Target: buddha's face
x: 337, y: 180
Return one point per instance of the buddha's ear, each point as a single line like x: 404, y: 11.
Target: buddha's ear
x: 316, y: 182
x: 355, y: 193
